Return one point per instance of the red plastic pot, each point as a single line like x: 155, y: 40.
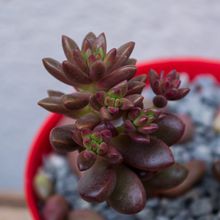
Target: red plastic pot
x: 41, y: 145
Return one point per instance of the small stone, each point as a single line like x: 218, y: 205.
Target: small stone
x: 43, y: 185
x: 173, y: 207
x: 146, y: 213
x: 160, y: 217
x: 216, y: 123
x: 202, y: 152
x: 192, y: 195
x: 82, y: 204
x: 183, y: 215
x: 153, y: 203
x: 66, y: 185
x: 205, y: 81
x: 57, y: 166
x: 201, y: 207
x: 184, y: 77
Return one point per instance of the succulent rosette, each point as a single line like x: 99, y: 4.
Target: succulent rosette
x: 124, y: 148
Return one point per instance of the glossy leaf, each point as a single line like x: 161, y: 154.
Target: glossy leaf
x: 167, y: 178
x: 117, y: 76
x: 170, y: 129
x: 78, y: 60
x: 85, y: 160
x: 135, y: 87
x: 97, y: 70
x: 61, y: 139
x: 88, y: 41
x: 196, y: 170
x: 150, y: 157
x: 68, y: 46
x: 53, y: 104
x: 129, y: 196
x: 110, y: 58
x: 89, y: 120
x: 55, y: 69
x: 100, y: 42
x: 126, y: 49
x: 74, y: 74
x: 98, y: 182
x: 76, y: 100
x: 136, y: 99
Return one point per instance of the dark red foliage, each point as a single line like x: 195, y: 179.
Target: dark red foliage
x: 123, y: 147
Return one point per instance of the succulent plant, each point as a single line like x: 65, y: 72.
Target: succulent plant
x: 124, y: 148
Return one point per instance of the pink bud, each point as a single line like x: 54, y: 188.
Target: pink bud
x: 103, y: 149
x: 114, y: 156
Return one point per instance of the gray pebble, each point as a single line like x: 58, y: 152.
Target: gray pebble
x: 201, y: 207
x: 146, y: 213
x: 206, y: 217
x: 160, y: 217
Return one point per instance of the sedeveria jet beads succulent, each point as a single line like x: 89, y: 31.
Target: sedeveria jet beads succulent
x: 124, y: 148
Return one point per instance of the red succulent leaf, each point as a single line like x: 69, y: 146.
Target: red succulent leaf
x: 153, y: 78
x: 56, y: 70
x: 129, y: 196
x: 78, y: 60
x: 53, y: 104
x: 100, y: 42
x: 117, y: 76
x: 123, y: 54
x: 139, y: 78
x: 135, y: 87
x: 75, y: 100
x: 152, y: 156
x: 105, y: 114
x: 113, y: 156
x: 89, y: 120
x: 120, y: 89
x: 76, y: 135
x: 61, y: 139
x: 88, y: 41
x: 139, y: 138
x: 85, y: 160
x: 167, y: 178
x: 97, y: 70
x: 74, y: 74
x: 167, y: 86
x: 68, y: 46
x: 106, y: 126
x: 98, y: 182
x: 136, y: 99
x: 170, y: 130
x: 176, y: 94
x: 110, y: 58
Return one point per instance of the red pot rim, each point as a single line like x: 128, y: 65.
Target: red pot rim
x: 41, y: 146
